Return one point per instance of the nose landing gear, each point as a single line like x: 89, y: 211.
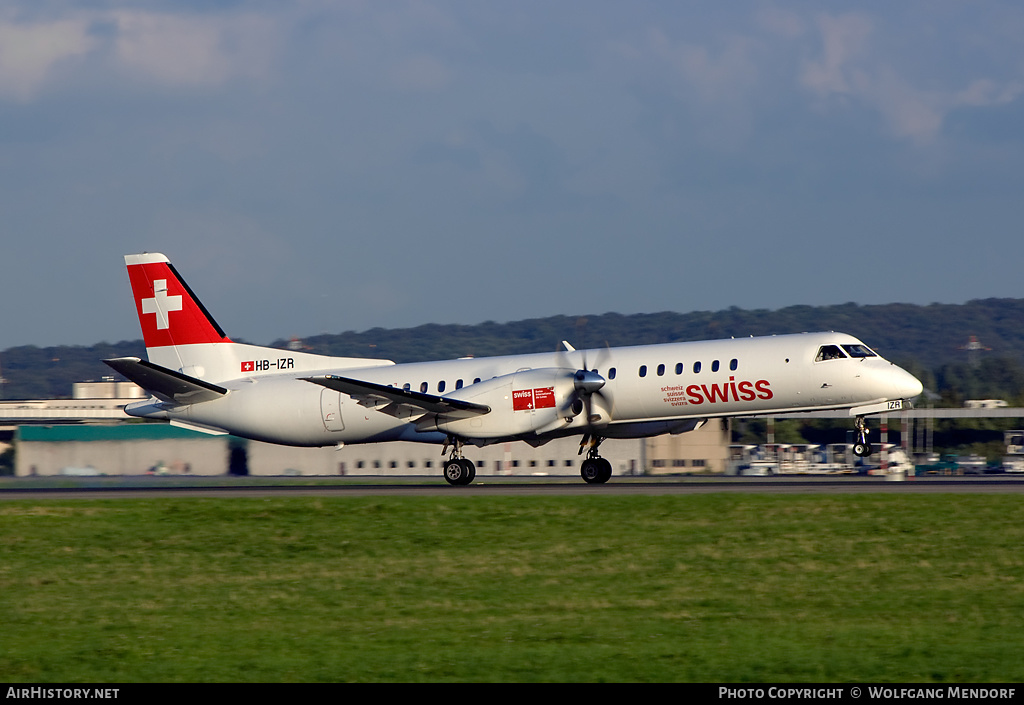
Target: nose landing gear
x: 862, y: 448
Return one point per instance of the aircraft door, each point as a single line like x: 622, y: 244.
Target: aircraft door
x: 330, y: 410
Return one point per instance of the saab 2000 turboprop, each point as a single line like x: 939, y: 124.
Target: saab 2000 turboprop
x: 200, y: 379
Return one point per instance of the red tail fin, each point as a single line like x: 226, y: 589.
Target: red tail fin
x: 169, y: 312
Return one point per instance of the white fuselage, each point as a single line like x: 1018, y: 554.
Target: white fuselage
x: 648, y: 390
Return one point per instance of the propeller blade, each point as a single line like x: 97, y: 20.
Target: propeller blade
x: 587, y: 383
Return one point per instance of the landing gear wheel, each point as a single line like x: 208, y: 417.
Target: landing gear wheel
x: 459, y: 471
x: 861, y: 447
x: 596, y: 471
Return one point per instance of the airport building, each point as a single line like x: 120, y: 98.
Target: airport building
x: 155, y: 448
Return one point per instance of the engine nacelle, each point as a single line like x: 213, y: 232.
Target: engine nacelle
x: 521, y: 403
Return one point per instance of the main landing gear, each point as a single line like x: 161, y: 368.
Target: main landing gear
x: 862, y: 448
x: 595, y: 470
x: 458, y: 470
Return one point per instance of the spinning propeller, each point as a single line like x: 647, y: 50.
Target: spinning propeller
x: 588, y: 397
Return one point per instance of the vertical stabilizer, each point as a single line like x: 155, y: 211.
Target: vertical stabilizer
x: 181, y: 335
x: 169, y: 312
x: 176, y: 327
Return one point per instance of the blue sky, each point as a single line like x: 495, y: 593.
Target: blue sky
x: 319, y: 166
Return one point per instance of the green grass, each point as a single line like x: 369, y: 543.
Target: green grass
x: 719, y: 588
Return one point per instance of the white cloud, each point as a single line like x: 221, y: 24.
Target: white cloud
x: 193, y: 50
x: 844, y: 42
x: 908, y: 112
x: 716, y: 77
x: 984, y: 92
x: 700, y: 90
x: 783, y: 23
x: 30, y: 52
x: 853, y: 68
x: 189, y: 50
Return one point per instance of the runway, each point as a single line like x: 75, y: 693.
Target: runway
x: 157, y: 487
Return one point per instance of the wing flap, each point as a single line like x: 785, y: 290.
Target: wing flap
x: 166, y: 384
x: 400, y: 403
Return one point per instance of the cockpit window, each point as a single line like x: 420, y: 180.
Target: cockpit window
x: 829, y: 352
x: 859, y: 351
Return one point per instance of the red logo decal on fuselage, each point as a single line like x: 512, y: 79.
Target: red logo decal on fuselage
x: 529, y: 399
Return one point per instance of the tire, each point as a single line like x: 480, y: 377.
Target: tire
x: 455, y: 472
x: 595, y: 471
x: 459, y: 471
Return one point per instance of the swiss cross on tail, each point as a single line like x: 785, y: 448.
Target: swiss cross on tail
x: 161, y: 304
x: 168, y: 311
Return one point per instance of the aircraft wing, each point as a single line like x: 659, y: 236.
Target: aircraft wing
x: 165, y: 384
x: 400, y: 403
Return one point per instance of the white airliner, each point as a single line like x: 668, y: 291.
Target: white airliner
x: 200, y: 379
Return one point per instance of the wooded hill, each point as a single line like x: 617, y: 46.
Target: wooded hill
x: 929, y: 341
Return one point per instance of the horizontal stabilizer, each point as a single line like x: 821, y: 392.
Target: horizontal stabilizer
x: 398, y: 402
x: 166, y: 384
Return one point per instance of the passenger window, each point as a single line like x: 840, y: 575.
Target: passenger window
x: 661, y: 370
x: 476, y: 380
x: 679, y: 368
x: 643, y: 370
x: 407, y: 386
x: 611, y: 373
x: 458, y: 384
x: 423, y: 387
x: 696, y: 367
x: 733, y: 364
x: 714, y: 366
x: 829, y: 352
x: 440, y: 387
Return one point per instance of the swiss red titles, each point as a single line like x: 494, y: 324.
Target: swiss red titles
x: 730, y: 391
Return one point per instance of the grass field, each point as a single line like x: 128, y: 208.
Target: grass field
x: 708, y: 588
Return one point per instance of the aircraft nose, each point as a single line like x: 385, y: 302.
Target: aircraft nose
x: 907, y: 385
